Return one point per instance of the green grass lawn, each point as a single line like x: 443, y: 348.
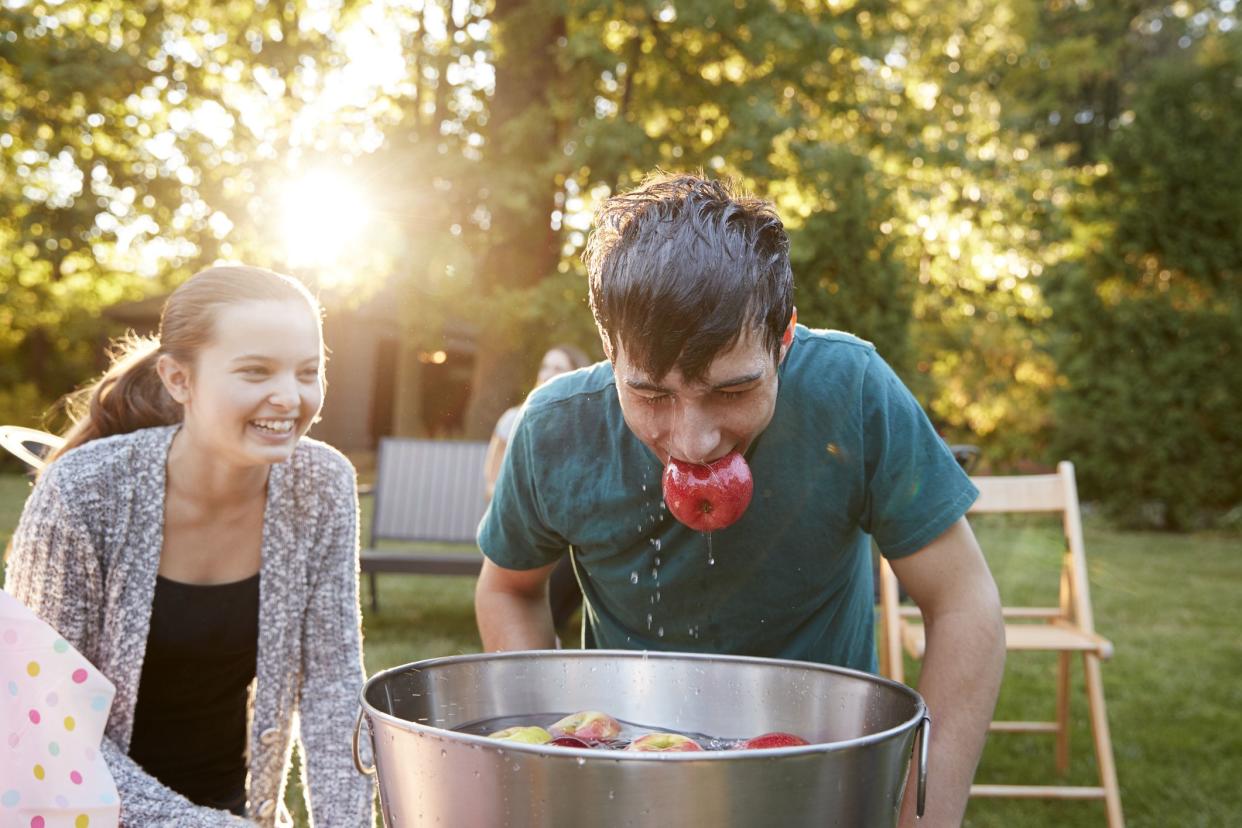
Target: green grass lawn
x: 1174, y: 687
x: 1168, y: 603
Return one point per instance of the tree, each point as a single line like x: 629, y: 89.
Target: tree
x: 1149, y: 309
x: 129, y: 158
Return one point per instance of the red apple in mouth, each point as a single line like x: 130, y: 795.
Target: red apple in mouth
x: 664, y: 743
x: 773, y: 740
x: 528, y: 735
x: 589, y: 726
x: 708, y: 496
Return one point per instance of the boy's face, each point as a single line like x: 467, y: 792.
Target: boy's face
x: 703, y: 421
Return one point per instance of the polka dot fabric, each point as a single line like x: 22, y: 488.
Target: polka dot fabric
x: 53, y: 707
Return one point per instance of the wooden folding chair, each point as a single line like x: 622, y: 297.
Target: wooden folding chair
x: 1065, y: 629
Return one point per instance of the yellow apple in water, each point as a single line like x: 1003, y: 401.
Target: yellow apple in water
x: 589, y: 725
x: 664, y: 743
x: 529, y: 735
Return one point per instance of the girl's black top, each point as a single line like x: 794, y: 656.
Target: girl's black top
x: 190, y: 721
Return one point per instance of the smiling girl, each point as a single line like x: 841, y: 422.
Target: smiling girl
x: 192, y: 543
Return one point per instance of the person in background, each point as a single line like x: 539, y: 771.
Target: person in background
x: 202, y: 552
x: 564, y: 595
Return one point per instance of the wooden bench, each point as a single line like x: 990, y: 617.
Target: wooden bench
x: 425, y: 491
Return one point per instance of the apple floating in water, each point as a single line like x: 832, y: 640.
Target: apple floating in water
x: 588, y: 726
x: 773, y: 740
x: 664, y: 743
x: 708, y: 496
x: 528, y: 735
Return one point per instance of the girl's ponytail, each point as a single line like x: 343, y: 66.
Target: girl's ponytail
x: 129, y: 396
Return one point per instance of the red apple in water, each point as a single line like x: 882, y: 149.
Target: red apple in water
x: 708, y: 496
x: 664, y: 743
x: 773, y: 740
x: 528, y: 735
x: 589, y: 726
x: 569, y: 742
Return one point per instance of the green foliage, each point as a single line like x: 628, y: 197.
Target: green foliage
x: 950, y: 174
x: 1149, y: 411
x: 847, y: 273
x: 1150, y: 311
x: 125, y: 158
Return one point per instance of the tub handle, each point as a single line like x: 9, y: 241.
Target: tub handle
x: 924, y: 736
x: 369, y: 771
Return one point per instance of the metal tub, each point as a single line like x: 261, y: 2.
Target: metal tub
x: 864, y: 726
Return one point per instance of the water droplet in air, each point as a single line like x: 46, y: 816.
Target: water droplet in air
x: 444, y: 754
x: 648, y: 620
x: 634, y: 577
x: 661, y: 632
x: 581, y: 761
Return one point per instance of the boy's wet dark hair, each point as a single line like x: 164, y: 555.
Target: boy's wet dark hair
x: 680, y: 268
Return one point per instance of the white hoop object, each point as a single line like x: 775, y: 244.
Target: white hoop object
x: 14, y: 439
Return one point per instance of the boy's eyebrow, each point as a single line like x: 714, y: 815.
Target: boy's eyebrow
x: 741, y: 380
x: 647, y: 385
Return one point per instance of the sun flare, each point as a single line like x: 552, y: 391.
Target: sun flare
x: 322, y: 215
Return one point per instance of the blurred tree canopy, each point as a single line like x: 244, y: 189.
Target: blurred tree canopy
x: 1029, y: 205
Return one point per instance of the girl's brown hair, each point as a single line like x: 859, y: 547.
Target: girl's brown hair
x: 130, y: 394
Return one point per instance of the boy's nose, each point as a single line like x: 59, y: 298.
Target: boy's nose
x: 694, y: 437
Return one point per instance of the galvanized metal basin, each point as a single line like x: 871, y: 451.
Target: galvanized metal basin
x: 864, y: 726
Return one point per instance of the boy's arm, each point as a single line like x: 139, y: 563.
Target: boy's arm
x: 962, y: 668
x: 512, y: 609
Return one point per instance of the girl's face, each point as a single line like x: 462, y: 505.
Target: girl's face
x: 258, y: 385
x: 555, y: 363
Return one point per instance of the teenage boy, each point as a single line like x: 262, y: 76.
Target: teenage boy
x: 691, y: 289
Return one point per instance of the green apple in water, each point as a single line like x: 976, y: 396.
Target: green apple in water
x: 664, y: 743
x: 588, y: 725
x: 530, y: 735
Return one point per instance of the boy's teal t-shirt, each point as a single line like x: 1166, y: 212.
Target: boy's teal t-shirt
x: 848, y: 454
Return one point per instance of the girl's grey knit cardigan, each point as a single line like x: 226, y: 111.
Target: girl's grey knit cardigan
x: 85, y: 557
